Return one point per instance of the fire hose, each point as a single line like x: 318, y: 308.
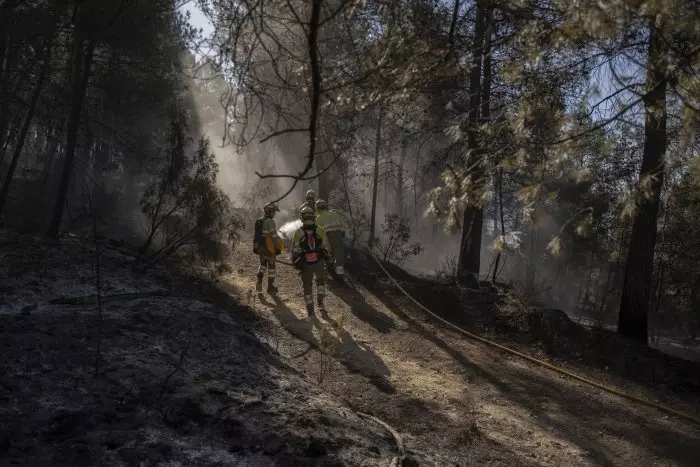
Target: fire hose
x: 549, y: 366
x: 536, y: 361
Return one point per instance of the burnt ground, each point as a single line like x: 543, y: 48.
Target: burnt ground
x: 184, y: 377
x: 201, y: 373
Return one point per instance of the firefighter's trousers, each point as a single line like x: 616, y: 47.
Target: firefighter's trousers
x: 337, y: 241
x: 308, y: 271
x: 267, y: 262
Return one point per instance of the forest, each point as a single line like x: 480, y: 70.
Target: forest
x: 546, y: 150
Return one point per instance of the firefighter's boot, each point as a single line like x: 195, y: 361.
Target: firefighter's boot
x: 309, y: 304
x: 271, y: 289
x: 258, y: 284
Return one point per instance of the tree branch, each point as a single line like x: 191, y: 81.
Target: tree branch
x: 312, y: 40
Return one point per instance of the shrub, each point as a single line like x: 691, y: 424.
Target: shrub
x: 394, y: 246
x: 188, y: 211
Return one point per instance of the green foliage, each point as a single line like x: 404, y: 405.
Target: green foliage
x: 189, y: 211
x: 395, y: 246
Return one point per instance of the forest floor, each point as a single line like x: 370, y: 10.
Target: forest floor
x: 198, y: 373
x: 456, y: 402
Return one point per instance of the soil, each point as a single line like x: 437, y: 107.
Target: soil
x: 457, y: 402
x: 197, y: 372
x: 184, y: 379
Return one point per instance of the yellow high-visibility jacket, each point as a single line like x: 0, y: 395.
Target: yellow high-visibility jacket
x: 330, y: 220
x: 272, y: 239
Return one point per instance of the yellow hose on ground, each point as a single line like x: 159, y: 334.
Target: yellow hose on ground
x: 541, y: 363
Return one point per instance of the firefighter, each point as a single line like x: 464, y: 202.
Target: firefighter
x: 310, y: 249
x: 267, y: 245
x: 331, y: 221
x: 310, y: 201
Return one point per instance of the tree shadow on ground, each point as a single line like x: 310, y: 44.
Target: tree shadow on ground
x: 431, y: 429
x: 353, y: 353
x: 300, y: 328
x: 354, y: 357
x: 488, y: 310
x: 586, y: 416
x: 360, y: 308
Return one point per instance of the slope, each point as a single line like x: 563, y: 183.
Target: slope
x: 184, y: 380
x: 452, y: 400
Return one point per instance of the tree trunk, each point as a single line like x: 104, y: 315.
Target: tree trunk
x: 499, y: 184
x: 636, y: 289
x: 5, y: 44
x: 375, y: 183
x: 399, y: 179
x: 322, y: 161
x: 343, y: 176
x: 84, y: 168
x: 51, y: 154
x: 473, y: 220
x: 530, y: 268
x: 415, y: 188
x: 27, y: 121
x: 82, y: 65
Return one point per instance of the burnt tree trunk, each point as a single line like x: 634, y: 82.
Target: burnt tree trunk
x: 22, y: 137
x: 636, y: 289
x: 473, y: 220
x: 322, y: 162
x: 82, y: 177
x: 82, y: 66
x: 399, y: 179
x: 375, y: 182
x: 56, y: 133
x: 5, y: 55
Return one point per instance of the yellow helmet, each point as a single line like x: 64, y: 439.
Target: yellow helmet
x: 271, y: 208
x: 310, y: 195
x: 321, y: 205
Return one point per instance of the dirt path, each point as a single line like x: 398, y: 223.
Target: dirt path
x: 455, y: 401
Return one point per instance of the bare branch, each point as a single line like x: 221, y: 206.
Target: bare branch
x: 281, y: 132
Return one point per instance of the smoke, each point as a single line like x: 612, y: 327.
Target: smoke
x: 406, y: 174
x: 288, y: 228
x: 238, y: 166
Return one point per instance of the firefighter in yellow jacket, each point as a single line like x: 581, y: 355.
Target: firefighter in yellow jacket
x: 267, y: 245
x: 331, y: 221
x: 310, y: 249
